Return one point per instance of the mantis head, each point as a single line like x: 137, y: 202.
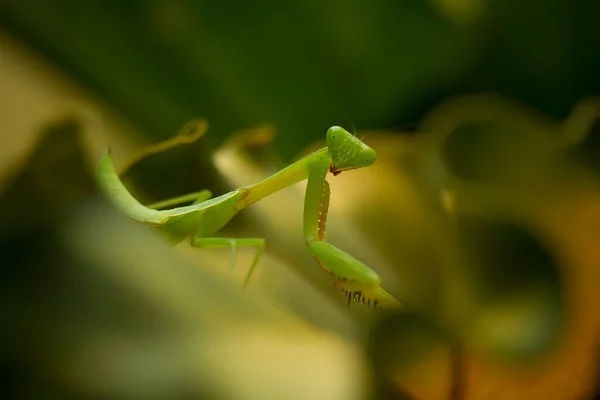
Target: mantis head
x: 346, y: 151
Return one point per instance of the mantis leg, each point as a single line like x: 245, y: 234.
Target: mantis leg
x: 196, y: 197
x: 212, y: 243
x: 358, y: 281
x: 190, y: 132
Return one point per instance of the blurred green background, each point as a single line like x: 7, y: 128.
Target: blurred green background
x: 481, y: 213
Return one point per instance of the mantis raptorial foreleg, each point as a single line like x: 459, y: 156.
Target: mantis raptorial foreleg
x: 359, y: 282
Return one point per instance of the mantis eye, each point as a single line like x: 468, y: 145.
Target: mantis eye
x: 335, y: 132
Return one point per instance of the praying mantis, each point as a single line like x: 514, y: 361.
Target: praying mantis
x: 202, y: 219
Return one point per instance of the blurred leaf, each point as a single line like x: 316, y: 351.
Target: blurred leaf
x: 517, y: 295
x: 52, y: 180
x: 299, y: 66
x: 114, y: 311
x: 411, y: 351
x: 493, y: 153
x: 586, y: 151
x: 540, y: 52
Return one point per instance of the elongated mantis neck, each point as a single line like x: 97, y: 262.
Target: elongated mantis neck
x: 288, y: 176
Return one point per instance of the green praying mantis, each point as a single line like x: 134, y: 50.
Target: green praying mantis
x: 206, y: 215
